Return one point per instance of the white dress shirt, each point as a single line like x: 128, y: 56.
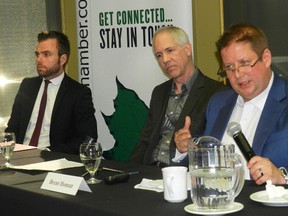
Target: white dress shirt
x: 44, y: 139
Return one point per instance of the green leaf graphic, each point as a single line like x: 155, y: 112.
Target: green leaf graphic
x: 126, y: 123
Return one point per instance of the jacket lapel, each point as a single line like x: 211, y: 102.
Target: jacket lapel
x: 188, y: 108
x: 61, y: 92
x: 275, y: 104
x: 224, y: 115
x: 32, y: 90
x: 191, y: 100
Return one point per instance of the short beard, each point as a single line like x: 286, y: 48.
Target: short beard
x: 50, y: 73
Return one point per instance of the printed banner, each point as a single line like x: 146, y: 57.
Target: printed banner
x: 117, y: 63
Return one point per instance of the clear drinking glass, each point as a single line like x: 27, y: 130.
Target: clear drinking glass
x: 90, y: 155
x: 7, y: 145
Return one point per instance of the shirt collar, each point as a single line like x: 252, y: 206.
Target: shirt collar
x: 258, y: 101
x: 187, y: 86
x: 57, y: 80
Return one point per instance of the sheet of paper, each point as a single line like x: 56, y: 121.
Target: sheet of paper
x: 149, y: 184
x: 21, y: 147
x: 50, y: 165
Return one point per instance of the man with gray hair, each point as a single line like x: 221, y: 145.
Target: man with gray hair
x: 186, y: 93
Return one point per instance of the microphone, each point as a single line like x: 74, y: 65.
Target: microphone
x: 234, y: 130
x: 119, y: 178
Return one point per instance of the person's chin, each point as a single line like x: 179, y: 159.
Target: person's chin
x: 42, y: 74
x: 172, y: 72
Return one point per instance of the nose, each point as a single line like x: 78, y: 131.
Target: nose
x: 38, y: 58
x: 165, y: 58
x: 238, y: 73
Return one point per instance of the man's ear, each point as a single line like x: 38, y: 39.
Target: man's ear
x: 267, y: 57
x: 188, y: 49
x: 63, y: 59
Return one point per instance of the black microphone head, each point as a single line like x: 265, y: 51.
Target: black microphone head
x: 233, y: 128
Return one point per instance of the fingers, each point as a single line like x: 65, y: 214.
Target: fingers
x: 187, y: 123
x: 258, y: 176
x: 184, y: 133
x: 262, y: 169
x: 255, y: 166
x: 183, y: 136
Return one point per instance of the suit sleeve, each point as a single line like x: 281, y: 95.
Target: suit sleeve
x: 74, y: 123
x: 16, y: 117
x: 141, y: 147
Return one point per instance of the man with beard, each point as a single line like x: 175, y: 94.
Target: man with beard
x: 69, y: 112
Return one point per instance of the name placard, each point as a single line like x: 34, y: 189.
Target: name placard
x: 64, y: 183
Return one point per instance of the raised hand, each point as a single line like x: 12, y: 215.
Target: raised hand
x: 183, y: 136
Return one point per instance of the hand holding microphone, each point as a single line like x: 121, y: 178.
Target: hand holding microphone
x: 234, y: 130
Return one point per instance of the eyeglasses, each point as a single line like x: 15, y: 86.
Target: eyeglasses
x: 244, y: 66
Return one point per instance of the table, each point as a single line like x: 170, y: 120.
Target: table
x: 21, y: 193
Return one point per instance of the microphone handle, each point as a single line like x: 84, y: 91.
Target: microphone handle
x: 119, y: 178
x: 244, y: 146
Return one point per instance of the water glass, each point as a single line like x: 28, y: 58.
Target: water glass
x: 90, y: 155
x: 7, y: 145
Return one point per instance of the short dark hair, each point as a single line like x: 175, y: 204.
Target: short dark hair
x: 63, y: 43
x: 244, y: 33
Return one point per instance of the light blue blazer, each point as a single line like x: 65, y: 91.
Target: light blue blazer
x: 271, y: 136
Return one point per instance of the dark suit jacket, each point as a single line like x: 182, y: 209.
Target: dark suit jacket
x: 195, y: 107
x: 72, y: 118
x: 271, y: 136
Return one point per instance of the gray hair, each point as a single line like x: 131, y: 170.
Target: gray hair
x: 178, y: 34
